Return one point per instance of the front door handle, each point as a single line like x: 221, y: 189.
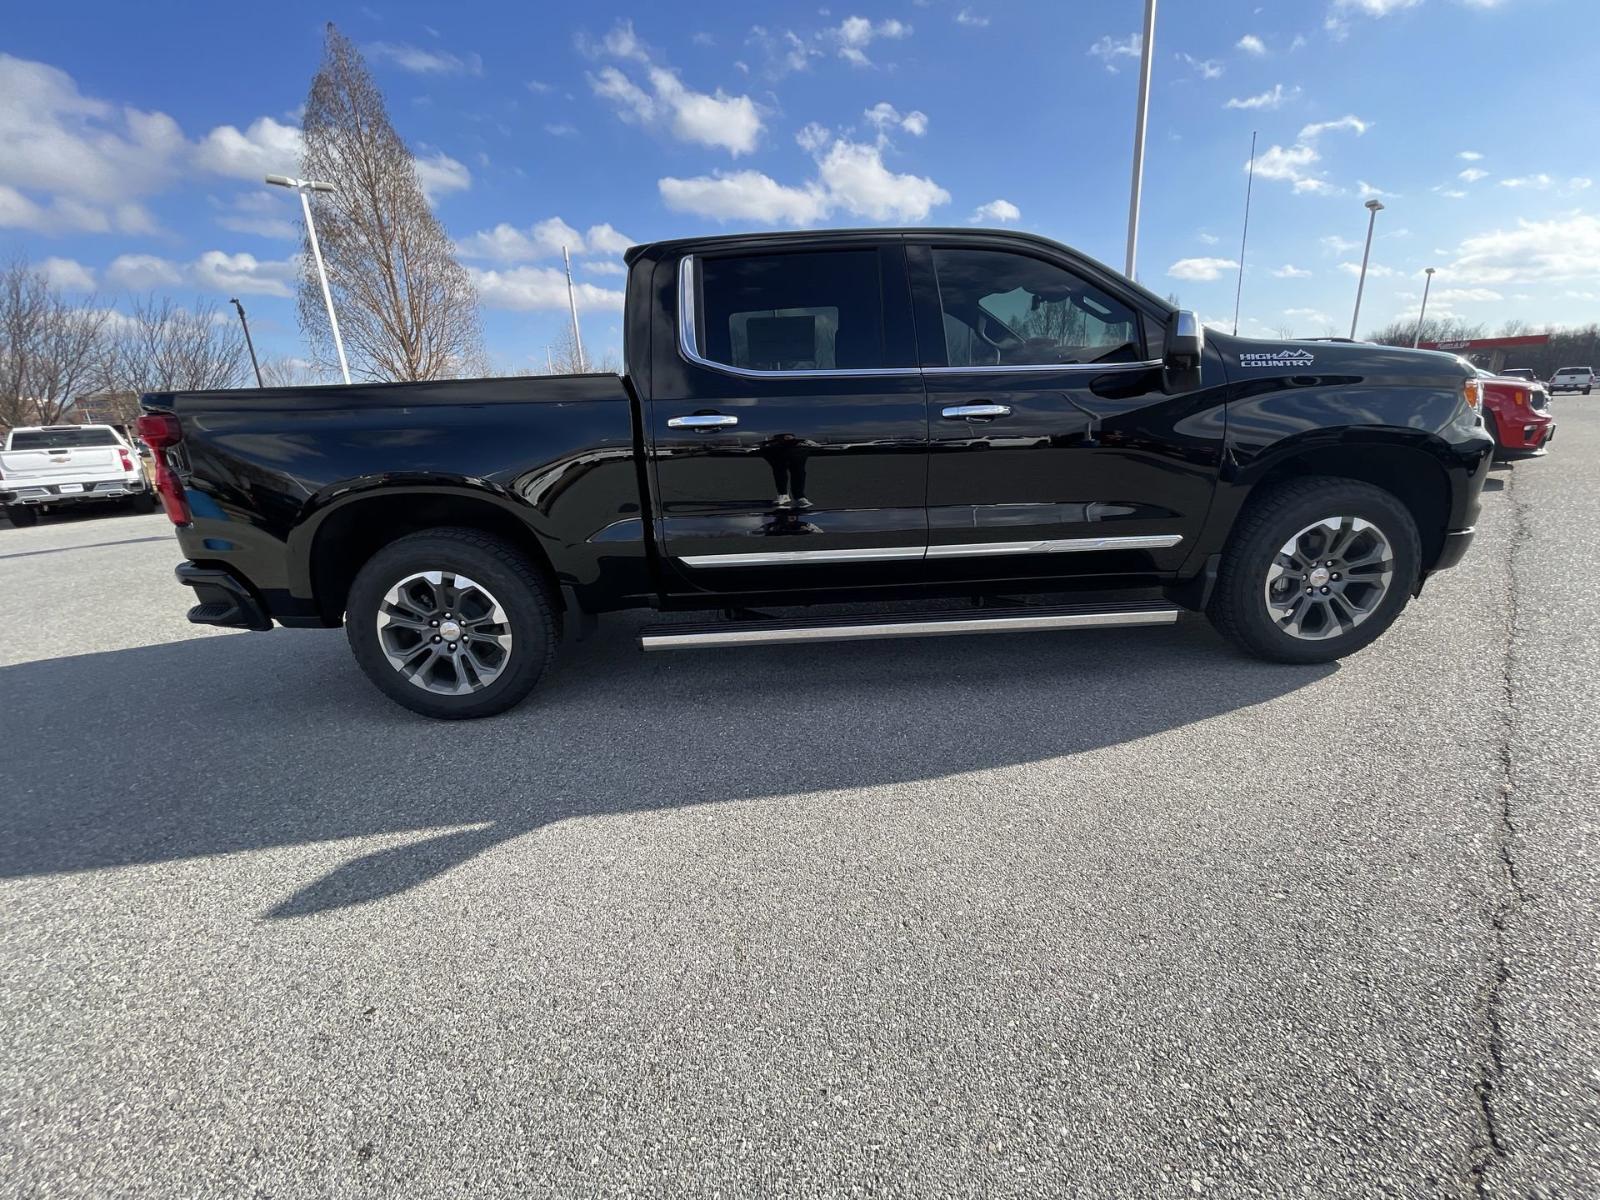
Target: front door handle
x: 702, y: 421
x: 959, y: 412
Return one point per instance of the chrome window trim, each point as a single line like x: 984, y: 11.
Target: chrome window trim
x: 687, y: 347
x: 1097, y: 368
x: 776, y: 558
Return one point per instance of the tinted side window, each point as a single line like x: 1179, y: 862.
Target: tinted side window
x: 792, y: 312
x: 1004, y: 309
x: 62, y: 439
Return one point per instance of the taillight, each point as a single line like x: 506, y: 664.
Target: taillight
x: 127, y: 459
x: 160, y: 431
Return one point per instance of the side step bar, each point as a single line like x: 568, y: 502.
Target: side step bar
x: 1022, y: 619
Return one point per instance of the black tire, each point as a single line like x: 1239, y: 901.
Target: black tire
x: 1238, y: 603
x: 22, y: 516
x: 143, y: 502
x: 507, y: 574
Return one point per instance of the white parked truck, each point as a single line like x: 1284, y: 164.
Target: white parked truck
x: 51, y: 466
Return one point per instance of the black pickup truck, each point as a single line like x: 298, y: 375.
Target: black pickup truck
x: 891, y: 432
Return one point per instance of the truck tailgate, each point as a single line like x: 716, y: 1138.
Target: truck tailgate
x: 54, y: 466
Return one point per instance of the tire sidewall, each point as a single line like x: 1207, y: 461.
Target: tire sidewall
x: 1243, y: 579
x: 527, y: 610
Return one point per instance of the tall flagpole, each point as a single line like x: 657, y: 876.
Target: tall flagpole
x: 1249, y: 184
x: 572, y: 303
x: 1138, y: 134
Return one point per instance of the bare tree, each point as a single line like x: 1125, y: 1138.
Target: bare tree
x: 407, y: 308
x: 279, y: 370
x: 50, y: 348
x: 1284, y: 333
x: 164, y: 347
x: 564, y: 358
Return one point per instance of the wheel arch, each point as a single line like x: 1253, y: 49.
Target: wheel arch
x: 329, y: 550
x: 1406, y: 470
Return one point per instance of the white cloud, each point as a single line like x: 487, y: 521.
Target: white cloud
x: 1366, y: 190
x: 1206, y: 68
x: 213, y: 271
x: 855, y: 34
x: 420, y: 61
x: 67, y: 274
x: 1376, y: 8
x: 883, y: 116
x: 1374, y: 270
x: 1290, y: 271
x: 1579, y: 183
x: 971, y: 19
x: 1000, y: 211
x: 1469, y: 155
x: 813, y: 137
x: 1473, y: 295
x: 604, y: 266
x: 604, y: 239
x: 88, y: 162
x: 1452, y: 193
x: 1270, y: 99
x: 1290, y: 164
x: 1314, y: 315
x: 745, y: 196
x: 1334, y: 244
x: 1538, y: 183
x: 438, y: 173
x: 1562, y: 248
x: 525, y: 289
x: 266, y: 147
x: 851, y: 176
x: 1251, y: 44
x: 265, y: 213
x: 1209, y: 239
x: 1349, y: 121
x: 1473, y: 174
x: 732, y: 123
x: 1108, y: 49
x: 1201, y: 269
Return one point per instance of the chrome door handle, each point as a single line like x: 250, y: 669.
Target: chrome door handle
x: 958, y: 412
x: 702, y: 421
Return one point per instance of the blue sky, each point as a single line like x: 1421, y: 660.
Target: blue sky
x: 133, y: 139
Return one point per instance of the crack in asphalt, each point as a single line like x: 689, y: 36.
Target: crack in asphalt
x: 1508, y: 891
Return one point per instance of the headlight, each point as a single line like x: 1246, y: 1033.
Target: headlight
x: 1472, y: 392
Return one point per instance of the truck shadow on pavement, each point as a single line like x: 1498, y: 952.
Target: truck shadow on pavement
x: 221, y: 744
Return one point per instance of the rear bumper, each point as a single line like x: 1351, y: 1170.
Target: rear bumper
x: 17, y: 493
x: 225, y: 599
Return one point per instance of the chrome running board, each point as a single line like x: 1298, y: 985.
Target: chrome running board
x: 1022, y: 619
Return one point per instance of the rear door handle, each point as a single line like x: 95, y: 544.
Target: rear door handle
x: 959, y: 412
x: 702, y: 421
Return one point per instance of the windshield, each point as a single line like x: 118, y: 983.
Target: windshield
x: 63, y: 439
x: 1573, y: 371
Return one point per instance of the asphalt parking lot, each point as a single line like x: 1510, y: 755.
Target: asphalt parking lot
x: 1102, y: 913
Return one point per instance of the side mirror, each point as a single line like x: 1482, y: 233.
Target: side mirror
x: 1186, y: 339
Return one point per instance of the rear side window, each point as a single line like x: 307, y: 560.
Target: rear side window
x: 62, y: 439
x: 792, y: 312
x: 1004, y: 309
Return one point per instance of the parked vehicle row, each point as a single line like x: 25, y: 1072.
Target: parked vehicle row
x: 1573, y: 379
x: 810, y: 419
x: 58, y: 466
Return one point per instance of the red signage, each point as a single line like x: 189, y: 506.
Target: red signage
x: 1528, y: 339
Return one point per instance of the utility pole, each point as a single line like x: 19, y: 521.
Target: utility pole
x: 1426, y: 284
x: 1249, y: 184
x: 1374, y: 207
x: 572, y: 303
x: 251, y: 345
x: 1138, y: 134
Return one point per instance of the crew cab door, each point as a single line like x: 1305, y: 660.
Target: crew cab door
x: 787, y: 428
x: 1055, y: 453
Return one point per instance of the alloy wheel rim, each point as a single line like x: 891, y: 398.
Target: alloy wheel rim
x: 444, y: 632
x: 1329, y: 578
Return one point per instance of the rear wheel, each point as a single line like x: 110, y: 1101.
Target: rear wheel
x: 1316, y: 569
x: 21, y: 515
x: 451, y: 623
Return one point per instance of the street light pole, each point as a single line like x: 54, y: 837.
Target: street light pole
x: 305, y: 186
x: 572, y: 303
x: 1374, y: 207
x: 1426, y: 284
x: 251, y: 345
x: 1148, y: 50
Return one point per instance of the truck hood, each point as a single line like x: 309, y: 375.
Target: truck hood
x: 1249, y: 358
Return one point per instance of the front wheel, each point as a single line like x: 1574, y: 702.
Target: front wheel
x: 1316, y: 569
x: 451, y: 623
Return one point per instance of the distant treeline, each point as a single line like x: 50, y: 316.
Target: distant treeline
x: 1573, y: 346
